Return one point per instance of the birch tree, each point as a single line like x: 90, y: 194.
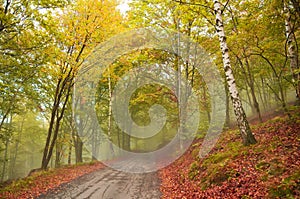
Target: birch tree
x: 292, y: 50
x: 245, y: 131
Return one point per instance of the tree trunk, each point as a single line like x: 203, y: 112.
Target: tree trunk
x: 266, y: 93
x: 292, y: 50
x: 243, y: 124
x: 261, y: 92
x: 227, y: 120
x: 249, y: 101
x: 5, y: 160
x: 70, y: 153
x: 95, y: 140
x: 128, y: 137
x: 78, y: 142
x: 109, y: 125
x: 57, y: 155
x: 7, y: 141
x: 15, y: 156
x: 251, y: 85
x: 78, y: 149
x: 62, y: 95
x: 206, y: 103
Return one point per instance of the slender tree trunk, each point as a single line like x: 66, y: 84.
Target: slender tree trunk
x: 78, y: 142
x: 14, y: 159
x: 95, y: 144
x: 123, y: 139
x: 109, y: 104
x: 243, y: 124
x: 78, y: 150
x: 292, y: 50
x: 9, y: 121
x: 55, y: 106
x: 178, y: 92
x: 251, y: 85
x: 283, y: 100
x: 62, y: 95
x: 249, y: 100
x: 57, y: 154
x: 206, y: 103
x: 128, y: 137
x: 227, y: 120
x: 70, y: 153
x: 265, y: 94
x: 279, y: 95
x: 109, y: 125
x: 8, y: 110
x: 5, y: 160
x: 249, y: 79
x: 261, y: 97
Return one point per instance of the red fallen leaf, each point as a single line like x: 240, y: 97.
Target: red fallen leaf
x: 43, y: 183
x: 279, y: 140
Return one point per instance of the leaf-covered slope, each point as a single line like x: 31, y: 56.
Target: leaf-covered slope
x: 40, y: 182
x: 268, y: 169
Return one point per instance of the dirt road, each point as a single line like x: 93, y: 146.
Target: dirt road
x: 110, y: 184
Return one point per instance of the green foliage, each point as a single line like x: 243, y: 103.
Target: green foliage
x: 286, y: 187
x: 194, y: 170
x: 25, y: 144
x: 140, y: 101
x: 215, y: 164
x: 19, y: 185
x: 232, y: 150
x: 42, y: 41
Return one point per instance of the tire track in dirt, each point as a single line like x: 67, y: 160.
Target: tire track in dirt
x: 109, y: 184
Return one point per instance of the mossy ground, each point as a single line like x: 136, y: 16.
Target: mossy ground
x: 268, y: 169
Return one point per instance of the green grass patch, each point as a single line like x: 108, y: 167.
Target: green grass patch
x: 214, y: 165
x: 287, y: 187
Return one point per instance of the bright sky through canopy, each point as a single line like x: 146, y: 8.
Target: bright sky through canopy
x: 123, y: 6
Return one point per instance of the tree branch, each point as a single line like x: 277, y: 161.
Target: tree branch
x: 8, y: 2
x: 193, y: 4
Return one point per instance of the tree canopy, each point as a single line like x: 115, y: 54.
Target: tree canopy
x: 44, y: 44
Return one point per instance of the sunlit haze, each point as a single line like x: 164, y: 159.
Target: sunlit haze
x: 123, y: 6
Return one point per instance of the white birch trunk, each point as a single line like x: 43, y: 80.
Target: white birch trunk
x: 292, y: 51
x: 109, y: 105
x: 243, y: 124
x: 110, y: 110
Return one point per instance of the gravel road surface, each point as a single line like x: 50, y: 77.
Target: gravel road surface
x: 110, y: 184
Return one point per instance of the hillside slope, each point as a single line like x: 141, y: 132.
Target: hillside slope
x: 268, y: 169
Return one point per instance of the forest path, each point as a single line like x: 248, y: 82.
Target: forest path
x: 110, y: 184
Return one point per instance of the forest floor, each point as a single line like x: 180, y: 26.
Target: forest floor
x: 108, y: 183
x: 43, y: 181
x: 268, y: 169
x: 93, y: 181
